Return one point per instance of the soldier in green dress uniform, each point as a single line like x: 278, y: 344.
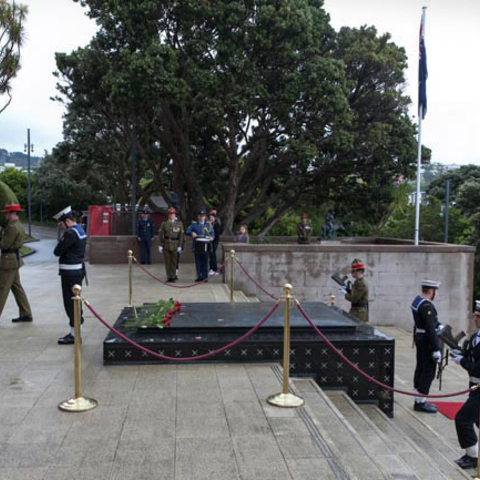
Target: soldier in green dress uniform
x: 171, y: 243
x: 358, y: 294
x: 304, y: 231
x: 10, y: 263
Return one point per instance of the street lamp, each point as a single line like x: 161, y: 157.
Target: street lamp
x: 28, y: 147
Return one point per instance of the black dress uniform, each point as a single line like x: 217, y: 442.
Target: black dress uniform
x: 145, y: 234
x: 467, y: 416
x: 426, y: 341
x: 71, y: 250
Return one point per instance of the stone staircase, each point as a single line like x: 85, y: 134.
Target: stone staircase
x: 239, y: 296
x: 368, y: 445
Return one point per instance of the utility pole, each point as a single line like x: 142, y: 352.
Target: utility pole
x: 447, y: 201
x: 134, y: 179
x: 29, y: 149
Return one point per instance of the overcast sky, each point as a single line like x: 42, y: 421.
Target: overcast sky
x: 451, y: 127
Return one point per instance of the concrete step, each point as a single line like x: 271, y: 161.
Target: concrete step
x: 352, y: 450
x: 397, y: 455
x: 238, y: 295
x: 408, y: 429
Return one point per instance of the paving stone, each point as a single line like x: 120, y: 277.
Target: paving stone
x: 23, y: 473
x: 206, y: 459
x: 311, y: 469
x: 260, y: 457
x: 27, y: 455
x: 201, y: 420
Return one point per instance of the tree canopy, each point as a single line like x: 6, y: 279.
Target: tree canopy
x: 12, y: 17
x: 256, y: 107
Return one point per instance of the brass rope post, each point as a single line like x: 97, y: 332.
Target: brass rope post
x: 130, y: 284
x: 232, y: 266
x: 286, y: 399
x: 77, y: 403
x: 332, y: 299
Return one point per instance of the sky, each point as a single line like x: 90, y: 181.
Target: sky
x: 452, y: 125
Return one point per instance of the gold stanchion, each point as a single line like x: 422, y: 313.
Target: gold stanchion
x: 332, y: 299
x: 232, y: 266
x: 78, y: 403
x: 286, y: 399
x: 130, y: 285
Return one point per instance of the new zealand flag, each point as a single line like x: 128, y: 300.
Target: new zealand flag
x: 422, y: 73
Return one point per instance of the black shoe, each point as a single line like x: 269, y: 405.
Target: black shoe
x: 461, y: 459
x: 25, y: 318
x: 426, y: 407
x: 467, y: 462
x: 198, y: 280
x: 173, y: 280
x: 68, y: 339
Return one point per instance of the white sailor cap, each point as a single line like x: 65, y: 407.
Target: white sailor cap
x: 66, y: 212
x: 477, y: 305
x: 430, y: 284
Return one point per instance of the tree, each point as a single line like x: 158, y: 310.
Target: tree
x: 12, y: 17
x: 17, y: 180
x: 59, y: 184
x: 253, y: 107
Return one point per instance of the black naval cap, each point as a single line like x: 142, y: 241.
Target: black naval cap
x: 202, y: 212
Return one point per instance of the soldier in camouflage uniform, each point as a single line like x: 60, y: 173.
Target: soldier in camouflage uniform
x: 304, y: 231
x: 171, y: 243
x: 358, y: 295
x: 10, y: 263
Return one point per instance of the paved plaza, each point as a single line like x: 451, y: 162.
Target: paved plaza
x: 188, y: 422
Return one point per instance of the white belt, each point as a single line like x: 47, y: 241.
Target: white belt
x: 78, y: 266
x: 474, y: 380
x: 420, y: 330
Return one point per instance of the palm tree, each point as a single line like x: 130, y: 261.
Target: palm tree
x: 12, y: 17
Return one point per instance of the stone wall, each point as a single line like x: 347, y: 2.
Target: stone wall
x: 393, y: 271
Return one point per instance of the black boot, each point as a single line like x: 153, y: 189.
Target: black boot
x: 24, y: 318
x: 68, y: 339
x: 425, y: 407
x: 467, y: 462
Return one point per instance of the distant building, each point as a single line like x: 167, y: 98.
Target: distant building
x: 413, y: 196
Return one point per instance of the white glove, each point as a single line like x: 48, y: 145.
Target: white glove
x: 437, y: 356
x: 160, y: 249
x: 457, y: 358
x: 439, y: 328
x: 179, y: 249
x: 455, y: 353
x: 343, y: 290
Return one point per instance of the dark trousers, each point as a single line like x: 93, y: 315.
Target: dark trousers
x: 426, y: 366
x: 67, y: 284
x: 465, y: 418
x: 213, y: 256
x: 201, y: 264
x: 146, y: 250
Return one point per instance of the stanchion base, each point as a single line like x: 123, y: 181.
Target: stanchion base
x: 286, y: 400
x: 80, y: 404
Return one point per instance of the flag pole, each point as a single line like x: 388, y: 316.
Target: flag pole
x: 422, y: 109
x: 419, y: 161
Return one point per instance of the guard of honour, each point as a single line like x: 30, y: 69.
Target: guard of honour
x: 71, y: 253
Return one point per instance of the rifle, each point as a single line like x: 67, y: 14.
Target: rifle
x: 452, y: 342
x: 341, y: 281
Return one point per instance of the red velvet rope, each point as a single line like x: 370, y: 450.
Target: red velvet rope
x: 254, y: 281
x: 366, y: 375
x: 182, y: 359
x: 169, y: 284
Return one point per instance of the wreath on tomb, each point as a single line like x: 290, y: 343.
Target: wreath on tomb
x: 159, y: 314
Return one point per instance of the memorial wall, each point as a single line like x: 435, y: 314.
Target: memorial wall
x: 394, y: 270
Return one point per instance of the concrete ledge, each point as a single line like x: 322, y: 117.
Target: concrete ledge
x: 393, y: 270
